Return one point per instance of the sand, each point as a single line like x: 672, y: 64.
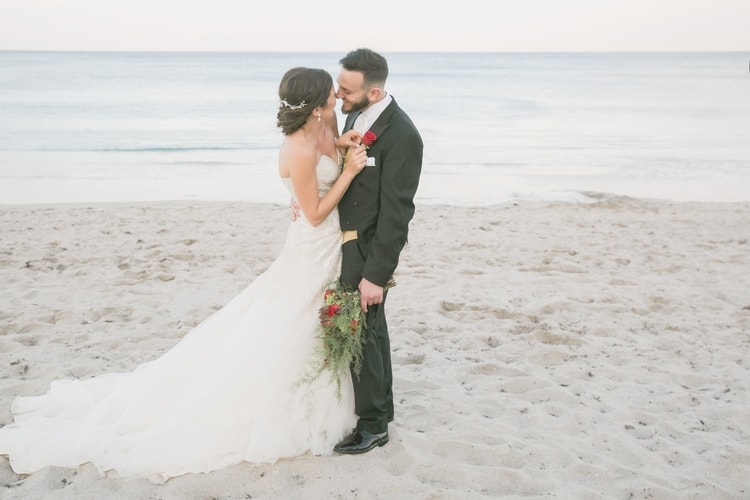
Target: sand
x: 541, y: 350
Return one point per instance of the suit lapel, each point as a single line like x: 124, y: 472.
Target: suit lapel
x: 384, y: 120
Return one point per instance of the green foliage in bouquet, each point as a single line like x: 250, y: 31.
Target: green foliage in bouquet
x: 342, y: 332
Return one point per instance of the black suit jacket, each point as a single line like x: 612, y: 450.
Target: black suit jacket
x: 380, y: 201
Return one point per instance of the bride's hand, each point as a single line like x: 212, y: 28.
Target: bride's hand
x: 350, y: 139
x: 355, y: 160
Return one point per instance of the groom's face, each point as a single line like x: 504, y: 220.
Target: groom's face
x: 352, y: 91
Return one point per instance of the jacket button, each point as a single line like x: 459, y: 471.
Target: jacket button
x: 356, y: 203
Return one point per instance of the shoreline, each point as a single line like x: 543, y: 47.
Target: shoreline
x: 575, y: 197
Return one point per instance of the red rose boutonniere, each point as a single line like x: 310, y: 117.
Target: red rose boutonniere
x: 369, y: 138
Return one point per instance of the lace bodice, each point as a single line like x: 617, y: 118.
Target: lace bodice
x: 327, y: 172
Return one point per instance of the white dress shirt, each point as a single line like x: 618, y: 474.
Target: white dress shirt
x: 368, y: 116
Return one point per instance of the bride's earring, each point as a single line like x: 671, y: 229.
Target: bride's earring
x: 318, y: 117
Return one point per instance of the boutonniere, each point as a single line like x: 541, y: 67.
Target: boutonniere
x: 369, y: 138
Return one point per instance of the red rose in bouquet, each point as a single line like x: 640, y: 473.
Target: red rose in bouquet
x: 342, y: 337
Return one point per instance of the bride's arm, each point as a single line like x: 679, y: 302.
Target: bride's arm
x: 301, y: 166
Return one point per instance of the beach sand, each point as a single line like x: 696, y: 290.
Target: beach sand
x: 540, y: 350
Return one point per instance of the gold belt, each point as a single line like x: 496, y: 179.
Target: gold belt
x: 348, y: 236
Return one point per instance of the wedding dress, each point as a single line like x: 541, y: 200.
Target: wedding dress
x: 232, y: 390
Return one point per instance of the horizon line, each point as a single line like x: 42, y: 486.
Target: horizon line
x: 303, y: 51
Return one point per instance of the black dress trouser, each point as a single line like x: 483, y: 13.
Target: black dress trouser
x: 373, y: 388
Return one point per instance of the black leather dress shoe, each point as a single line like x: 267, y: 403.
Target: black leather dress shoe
x: 360, y: 442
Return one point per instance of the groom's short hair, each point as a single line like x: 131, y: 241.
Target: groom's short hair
x: 372, y: 65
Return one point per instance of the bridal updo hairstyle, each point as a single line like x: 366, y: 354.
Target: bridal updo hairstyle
x: 301, y: 90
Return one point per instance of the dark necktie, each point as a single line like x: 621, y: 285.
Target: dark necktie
x: 350, y: 121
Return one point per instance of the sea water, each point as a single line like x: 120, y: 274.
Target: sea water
x: 103, y: 126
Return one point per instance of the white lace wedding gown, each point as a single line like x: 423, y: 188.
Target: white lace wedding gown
x: 228, y: 392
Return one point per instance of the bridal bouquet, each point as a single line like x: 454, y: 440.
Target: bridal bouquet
x: 342, y: 332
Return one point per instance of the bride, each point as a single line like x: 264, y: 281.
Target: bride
x: 230, y: 390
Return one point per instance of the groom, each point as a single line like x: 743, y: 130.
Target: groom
x: 375, y: 214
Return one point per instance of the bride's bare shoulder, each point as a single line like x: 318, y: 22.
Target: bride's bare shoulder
x: 296, y: 154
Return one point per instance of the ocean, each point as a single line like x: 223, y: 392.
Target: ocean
x: 112, y: 127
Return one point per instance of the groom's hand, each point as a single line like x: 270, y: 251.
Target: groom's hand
x: 295, y: 209
x: 370, y: 294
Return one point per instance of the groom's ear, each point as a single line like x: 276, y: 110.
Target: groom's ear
x: 374, y: 94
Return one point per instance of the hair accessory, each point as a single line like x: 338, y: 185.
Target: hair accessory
x: 284, y: 104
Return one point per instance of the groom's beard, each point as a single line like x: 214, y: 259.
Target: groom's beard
x: 356, y: 106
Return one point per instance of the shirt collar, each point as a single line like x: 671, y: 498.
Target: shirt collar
x: 373, y: 112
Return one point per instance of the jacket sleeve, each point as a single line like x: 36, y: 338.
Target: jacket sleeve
x: 401, y: 164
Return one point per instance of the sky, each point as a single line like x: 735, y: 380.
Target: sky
x: 385, y: 25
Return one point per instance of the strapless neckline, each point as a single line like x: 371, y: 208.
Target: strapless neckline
x: 321, y: 157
